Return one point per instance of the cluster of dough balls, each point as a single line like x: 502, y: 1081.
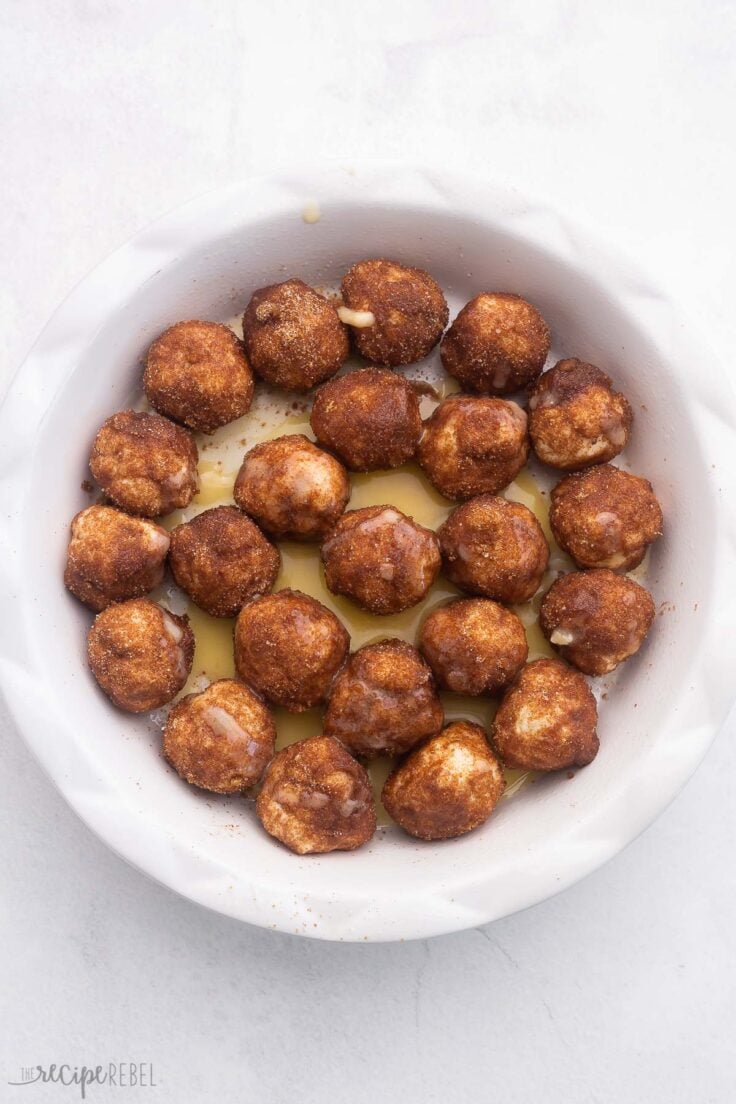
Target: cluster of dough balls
x: 291, y: 651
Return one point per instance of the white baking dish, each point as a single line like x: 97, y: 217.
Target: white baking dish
x: 204, y: 261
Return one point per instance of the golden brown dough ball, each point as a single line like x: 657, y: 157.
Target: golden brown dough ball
x: 316, y: 798
x: 221, y: 739
x: 384, y: 701
x: 447, y: 786
x: 370, y: 418
x: 293, y: 489
x: 198, y: 374
x: 498, y: 343
x: 494, y: 548
x: 140, y: 654
x: 474, y: 446
x: 474, y: 646
x: 221, y: 559
x: 408, y: 307
x: 113, y: 556
x: 144, y: 463
x: 576, y: 418
x: 380, y: 558
x: 546, y: 721
x: 596, y: 619
x: 293, y: 336
x: 289, y: 647
x: 605, y: 517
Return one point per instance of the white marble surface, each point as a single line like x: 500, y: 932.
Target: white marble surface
x: 620, y: 990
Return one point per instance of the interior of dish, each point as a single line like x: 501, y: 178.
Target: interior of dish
x: 275, y: 413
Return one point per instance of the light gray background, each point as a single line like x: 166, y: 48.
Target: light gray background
x: 620, y: 990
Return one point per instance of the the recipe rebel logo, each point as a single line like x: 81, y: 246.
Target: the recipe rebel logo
x: 115, y: 1075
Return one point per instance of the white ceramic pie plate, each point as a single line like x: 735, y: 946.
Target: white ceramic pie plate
x: 204, y: 261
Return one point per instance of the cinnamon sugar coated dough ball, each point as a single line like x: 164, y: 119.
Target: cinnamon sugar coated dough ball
x: 473, y: 645
x: 316, y: 798
x: 380, y: 558
x: 144, y: 463
x: 370, y: 418
x: 447, y: 786
x: 293, y: 336
x: 408, y: 307
x: 221, y: 559
x: 494, y: 548
x: 605, y: 517
x: 576, y: 418
x: 289, y: 648
x: 112, y: 556
x: 197, y: 373
x: 596, y: 619
x: 140, y: 654
x: 498, y: 343
x: 384, y: 701
x: 474, y: 446
x: 547, y: 720
x: 221, y: 739
x: 293, y: 489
